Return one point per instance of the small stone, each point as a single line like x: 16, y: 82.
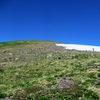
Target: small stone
x: 49, y: 55
x: 10, y: 58
x: 98, y: 66
x: 10, y: 54
x: 4, y: 51
x: 16, y: 59
x: 7, y: 98
x: 5, y: 60
x: 3, y: 64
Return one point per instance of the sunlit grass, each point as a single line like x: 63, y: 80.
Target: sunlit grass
x: 35, y: 72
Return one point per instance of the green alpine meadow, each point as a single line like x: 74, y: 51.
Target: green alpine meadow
x: 40, y: 70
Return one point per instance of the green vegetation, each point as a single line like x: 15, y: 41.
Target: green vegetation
x: 15, y: 43
x: 39, y: 70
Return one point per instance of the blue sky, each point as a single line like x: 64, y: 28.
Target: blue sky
x: 69, y: 21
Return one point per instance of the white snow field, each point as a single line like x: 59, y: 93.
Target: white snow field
x: 80, y: 47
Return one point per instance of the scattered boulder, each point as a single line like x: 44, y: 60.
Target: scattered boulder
x: 10, y: 54
x: 4, y: 51
x: 16, y: 59
x: 64, y: 82
x: 49, y: 55
x: 98, y: 66
x: 7, y: 98
x: 10, y: 58
x: 2, y: 64
x: 5, y: 60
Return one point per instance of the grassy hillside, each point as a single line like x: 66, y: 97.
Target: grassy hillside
x: 39, y: 70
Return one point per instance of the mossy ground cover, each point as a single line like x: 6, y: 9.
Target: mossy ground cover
x: 38, y: 66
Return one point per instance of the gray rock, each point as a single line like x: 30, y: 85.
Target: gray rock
x: 10, y: 58
x: 64, y: 82
x: 49, y: 55
x: 16, y: 59
x: 5, y: 60
x: 2, y: 64
x: 98, y: 66
x: 7, y: 98
x: 10, y: 54
x: 4, y: 51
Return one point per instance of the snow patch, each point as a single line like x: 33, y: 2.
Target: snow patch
x: 80, y: 47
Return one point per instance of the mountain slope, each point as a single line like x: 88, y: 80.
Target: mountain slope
x: 40, y: 70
